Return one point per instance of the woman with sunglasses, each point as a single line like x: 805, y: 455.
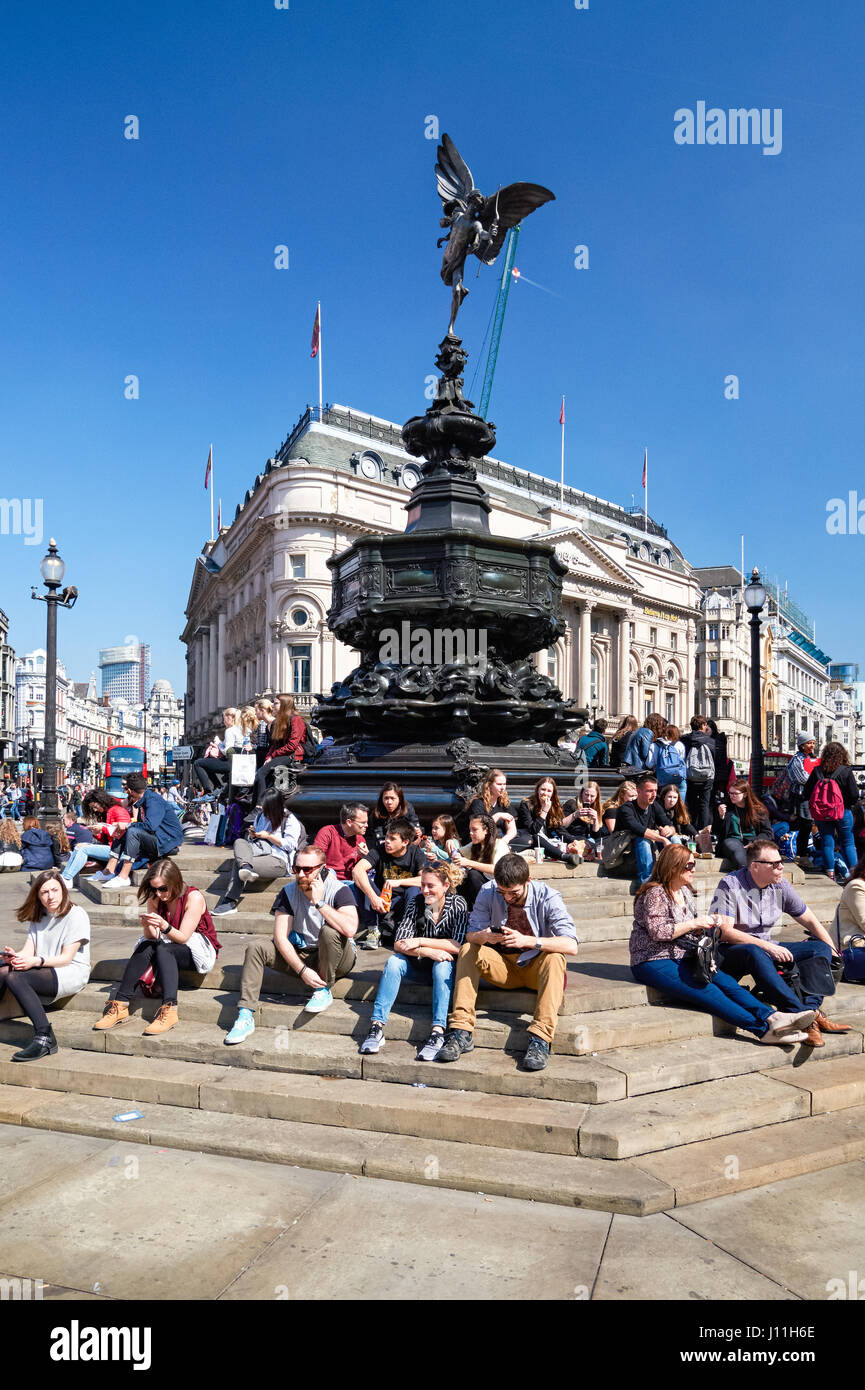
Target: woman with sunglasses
x: 665, y: 914
x: 178, y: 935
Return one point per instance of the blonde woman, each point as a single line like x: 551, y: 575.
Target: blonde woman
x: 10, y: 846
x: 220, y: 766
x: 626, y: 792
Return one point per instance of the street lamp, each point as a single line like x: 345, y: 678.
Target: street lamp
x: 755, y: 597
x: 53, y: 570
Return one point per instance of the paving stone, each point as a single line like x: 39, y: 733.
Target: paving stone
x: 657, y: 1259
x: 667, y: 1119
x: 746, y: 1160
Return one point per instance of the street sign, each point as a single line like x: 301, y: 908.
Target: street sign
x: 183, y: 753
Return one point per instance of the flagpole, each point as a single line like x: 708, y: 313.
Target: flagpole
x: 562, y: 483
x: 320, y: 355
x: 646, y: 491
x: 211, y: 492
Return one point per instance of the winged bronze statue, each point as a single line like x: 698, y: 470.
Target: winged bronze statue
x: 477, y: 226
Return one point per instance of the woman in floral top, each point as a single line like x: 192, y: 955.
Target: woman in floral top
x: 665, y: 912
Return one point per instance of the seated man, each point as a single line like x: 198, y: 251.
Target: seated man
x: 398, y: 862
x: 154, y: 832
x: 649, y: 826
x: 313, y: 937
x: 345, y: 844
x: 756, y: 898
x: 518, y: 937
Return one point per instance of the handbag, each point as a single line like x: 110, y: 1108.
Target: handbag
x: 149, y: 984
x: 852, y: 954
x: 811, y: 976
x: 214, y: 825
x: 702, y: 955
x: 243, y: 769
x: 615, y: 848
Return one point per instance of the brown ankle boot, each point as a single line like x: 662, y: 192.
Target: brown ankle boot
x: 115, y: 1012
x: 164, y: 1020
x: 827, y: 1026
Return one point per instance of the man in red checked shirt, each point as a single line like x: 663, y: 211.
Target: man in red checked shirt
x: 343, y: 846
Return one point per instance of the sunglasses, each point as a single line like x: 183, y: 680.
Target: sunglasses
x: 160, y: 887
x: 305, y: 868
x: 770, y: 863
x: 690, y: 866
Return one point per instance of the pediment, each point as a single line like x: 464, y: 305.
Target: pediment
x: 587, y: 561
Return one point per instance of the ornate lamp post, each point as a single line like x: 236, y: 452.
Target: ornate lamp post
x: 53, y: 570
x: 755, y: 597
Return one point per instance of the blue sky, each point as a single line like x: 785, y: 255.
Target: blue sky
x: 258, y: 127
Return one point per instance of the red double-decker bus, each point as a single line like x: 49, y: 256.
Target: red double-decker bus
x: 120, y: 760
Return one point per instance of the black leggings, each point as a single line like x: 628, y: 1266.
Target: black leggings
x: 30, y: 987
x: 167, y: 957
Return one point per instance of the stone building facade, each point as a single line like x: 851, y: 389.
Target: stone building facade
x: 256, y: 613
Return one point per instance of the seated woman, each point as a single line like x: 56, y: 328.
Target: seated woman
x: 109, y: 819
x: 493, y: 801
x: 38, y: 848
x: 671, y: 799
x: 267, y: 853
x: 178, y: 935
x: 541, y: 823
x: 738, y: 821
x: 10, y: 846
x: 587, y: 821
x: 392, y: 805
x: 210, y: 766
x: 426, y: 945
x: 479, y: 857
x: 619, y: 741
x: 54, y: 962
x: 850, y: 920
x: 443, y: 843
x: 284, y: 749
x: 626, y: 792
x: 665, y: 911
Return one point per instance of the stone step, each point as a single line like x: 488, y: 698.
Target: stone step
x: 734, y: 1163
x: 467, y: 1117
x: 559, y: 1179
x: 668, y: 1119
x: 837, y: 1086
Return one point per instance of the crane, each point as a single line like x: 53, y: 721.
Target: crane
x: 499, y: 318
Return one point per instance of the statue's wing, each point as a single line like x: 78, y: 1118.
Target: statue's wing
x: 453, y: 176
x: 508, y: 207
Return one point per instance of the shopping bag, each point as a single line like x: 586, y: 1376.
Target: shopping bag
x: 243, y: 769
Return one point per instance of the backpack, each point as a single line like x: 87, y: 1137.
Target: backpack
x: 783, y: 790
x: 594, y: 746
x: 826, y: 803
x: 233, y: 823
x: 311, y: 740
x: 671, y: 764
x: 701, y: 764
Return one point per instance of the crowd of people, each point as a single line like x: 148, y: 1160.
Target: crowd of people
x: 455, y: 904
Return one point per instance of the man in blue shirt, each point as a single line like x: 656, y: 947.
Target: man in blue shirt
x: 155, y: 831
x: 520, y: 935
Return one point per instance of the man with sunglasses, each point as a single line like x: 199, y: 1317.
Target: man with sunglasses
x: 756, y: 898
x: 313, y: 938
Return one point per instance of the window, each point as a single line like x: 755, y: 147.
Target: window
x: 713, y: 709
x: 594, y: 698
x: 674, y: 642
x: 697, y: 669
x: 653, y: 636
x: 713, y: 668
x: 725, y: 708
x: 670, y: 709
x: 300, y: 669
x: 298, y: 566
x: 648, y: 707
x: 725, y: 668
x: 300, y: 617
x: 553, y: 665
x: 632, y: 630
x: 725, y: 632
x: 713, y: 632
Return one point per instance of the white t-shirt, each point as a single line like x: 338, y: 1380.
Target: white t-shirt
x: 470, y: 851
x: 51, y: 934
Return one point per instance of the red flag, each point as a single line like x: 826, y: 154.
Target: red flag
x: 562, y: 412
x: 208, y: 468
x: 645, y: 463
x: 316, y: 333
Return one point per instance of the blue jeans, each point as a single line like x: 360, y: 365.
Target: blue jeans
x: 645, y: 859
x: 398, y: 968
x: 79, y: 856
x: 843, y: 829
x: 723, y: 997
x: 738, y: 960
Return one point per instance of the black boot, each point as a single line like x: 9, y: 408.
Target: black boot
x: 42, y: 1045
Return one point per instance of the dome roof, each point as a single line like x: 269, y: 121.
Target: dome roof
x: 164, y: 688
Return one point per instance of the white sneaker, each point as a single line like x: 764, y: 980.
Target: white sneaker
x: 320, y: 1000
x: 117, y: 882
x: 247, y: 875
x: 792, y: 1023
